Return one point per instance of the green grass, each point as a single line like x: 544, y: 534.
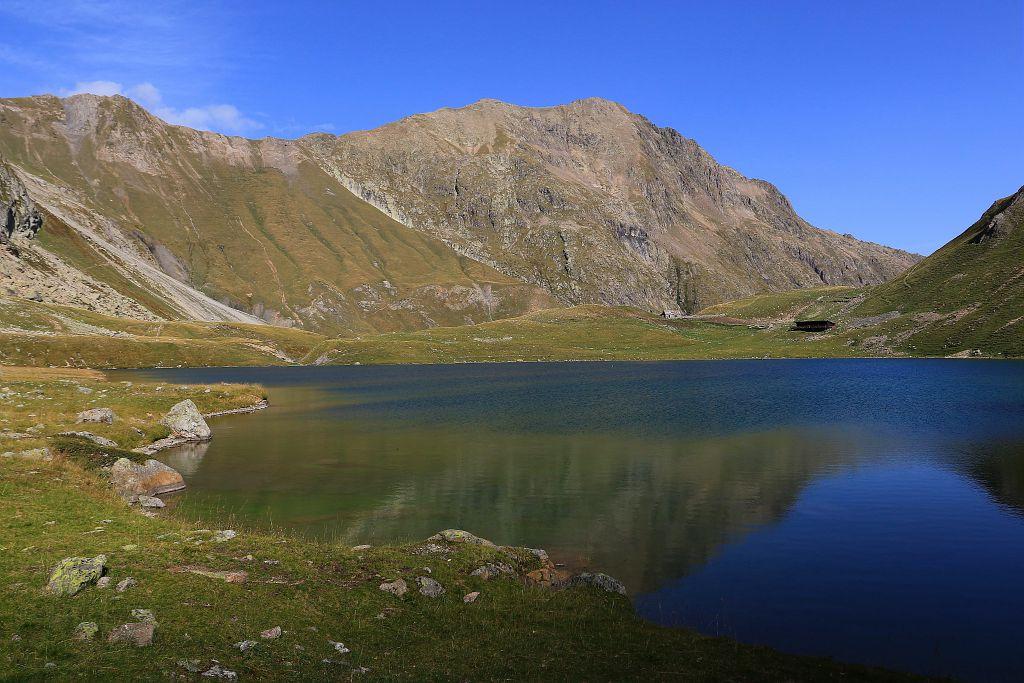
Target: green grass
x: 43, y: 334
x: 967, y: 295
x: 314, y: 591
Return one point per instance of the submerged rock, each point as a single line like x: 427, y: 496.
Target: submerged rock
x: 186, y: 422
x: 97, y: 415
x: 72, y: 574
x: 151, y: 478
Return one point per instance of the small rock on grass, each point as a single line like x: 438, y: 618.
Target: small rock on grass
x: 224, y: 535
x: 398, y: 587
x: 218, y: 671
x: 360, y: 548
x: 126, y: 583
x: 103, y: 582
x: 145, y: 616
x: 271, y: 633
x: 429, y: 587
x: 87, y: 630
x: 246, y: 645
x: 72, y: 574
x: 151, y: 502
x: 471, y: 597
x: 138, y: 634
x: 339, y: 647
x: 97, y: 415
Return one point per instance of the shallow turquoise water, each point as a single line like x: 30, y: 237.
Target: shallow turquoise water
x: 870, y: 510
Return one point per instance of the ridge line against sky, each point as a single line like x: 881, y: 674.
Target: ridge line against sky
x: 898, y: 124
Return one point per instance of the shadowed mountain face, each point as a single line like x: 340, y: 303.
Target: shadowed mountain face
x: 596, y: 205
x: 970, y: 293
x: 455, y: 217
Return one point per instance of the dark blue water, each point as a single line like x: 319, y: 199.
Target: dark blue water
x: 870, y: 510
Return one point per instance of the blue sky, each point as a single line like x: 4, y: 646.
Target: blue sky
x: 899, y: 122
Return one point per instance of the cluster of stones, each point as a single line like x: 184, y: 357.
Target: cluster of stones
x: 546, y: 576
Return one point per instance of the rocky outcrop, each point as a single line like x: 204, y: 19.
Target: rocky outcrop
x: 19, y: 217
x: 595, y: 204
x: 96, y: 416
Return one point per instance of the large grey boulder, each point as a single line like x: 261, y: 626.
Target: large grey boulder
x: 151, y: 478
x: 460, y: 536
x: 186, y: 422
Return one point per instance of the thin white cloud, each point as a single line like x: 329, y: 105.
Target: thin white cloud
x: 223, y: 118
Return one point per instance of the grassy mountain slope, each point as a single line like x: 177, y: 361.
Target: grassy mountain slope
x: 970, y: 293
x: 43, y: 334
x: 252, y: 224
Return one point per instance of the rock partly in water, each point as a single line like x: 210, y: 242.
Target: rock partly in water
x: 89, y: 436
x: 151, y: 478
x: 398, y: 587
x: 72, y: 574
x: 598, y: 580
x: 97, y: 415
x: 460, y: 536
x: 186, y: 422
x: 429, y: 587
x: 137, y: 634
x: 87, y: 630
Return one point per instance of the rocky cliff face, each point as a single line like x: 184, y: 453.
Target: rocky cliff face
x: 18, y: 212
x: 594, y: 204
x: 454, y: 217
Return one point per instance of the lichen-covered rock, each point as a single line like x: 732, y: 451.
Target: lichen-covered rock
x: 145, y: 616
x: 186, y: 422
x: 97, y: 415
x: 151, y: 478
x: 72, y: 574
x: 598, y: 580
x: 429, y: 587
x: 126, y: 583
x: 460, y: 536
x: 137, y: 634
x: 398, y: 587
x: 87, y: 630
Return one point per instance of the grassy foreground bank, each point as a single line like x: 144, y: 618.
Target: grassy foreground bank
x: 318, y: 594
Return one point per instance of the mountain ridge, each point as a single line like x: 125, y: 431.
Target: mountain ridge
x: 267, y: 227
